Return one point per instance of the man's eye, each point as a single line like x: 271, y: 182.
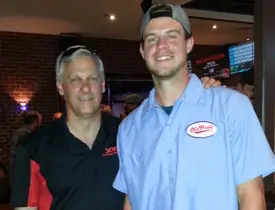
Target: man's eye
x: 93, y: 79
x: 151, y: 40
x: 173, y: 36
x: 74, y: 79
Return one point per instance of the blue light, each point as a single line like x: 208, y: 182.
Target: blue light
x: 23, y: 107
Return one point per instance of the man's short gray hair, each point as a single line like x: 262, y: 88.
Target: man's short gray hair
x: 74, y: 52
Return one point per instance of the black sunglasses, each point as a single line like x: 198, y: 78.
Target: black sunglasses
x: 71, y: 50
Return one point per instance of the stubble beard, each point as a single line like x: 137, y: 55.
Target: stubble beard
x: 168, y: 74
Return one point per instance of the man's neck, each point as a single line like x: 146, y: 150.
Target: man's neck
x: 85, y: 129
x: 168, y: 91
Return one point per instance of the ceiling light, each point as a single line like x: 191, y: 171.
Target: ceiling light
x: 112, y: 17
x: 109, y: 16
x: 214, y: 26
x: 247, y: 39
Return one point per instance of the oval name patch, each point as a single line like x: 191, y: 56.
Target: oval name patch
x: 201, y: 129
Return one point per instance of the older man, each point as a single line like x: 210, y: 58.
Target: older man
x: 71, y: 163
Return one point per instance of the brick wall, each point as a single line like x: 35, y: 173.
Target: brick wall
x: 26, y: 65
x: 27, y: 72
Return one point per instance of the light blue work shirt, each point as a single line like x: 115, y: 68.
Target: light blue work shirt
x: 194, y: 158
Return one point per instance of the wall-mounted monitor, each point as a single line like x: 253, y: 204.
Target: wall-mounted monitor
x: 241, y: 57
x: 211, y: 66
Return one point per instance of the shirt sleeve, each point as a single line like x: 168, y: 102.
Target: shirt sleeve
x: 119, y: 183
x: 24, y: 183
x: 251, y: 151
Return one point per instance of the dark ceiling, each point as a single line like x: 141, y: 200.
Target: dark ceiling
x: 229, y: 6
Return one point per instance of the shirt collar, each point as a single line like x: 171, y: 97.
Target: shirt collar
x: 191, y: 94
x: 74, y: 145
x: 61, y: 129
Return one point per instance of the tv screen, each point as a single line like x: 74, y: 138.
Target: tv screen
x: 241, y: 57
x: 211, y: 66
x: 211, y: 69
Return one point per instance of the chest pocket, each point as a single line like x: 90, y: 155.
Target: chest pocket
x: 145, y: 158
x: 204, y: 156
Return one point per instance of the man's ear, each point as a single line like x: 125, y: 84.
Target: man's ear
x: 59, y: 87
x: 189, y: 45
x: 141, y: 50
x: 103, y: 86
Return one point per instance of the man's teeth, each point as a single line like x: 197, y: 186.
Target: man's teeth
x: 85, y: 98
x: 162, y: 58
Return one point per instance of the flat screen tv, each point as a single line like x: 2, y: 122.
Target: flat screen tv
x: 241, y: 57
x: 211, y: 66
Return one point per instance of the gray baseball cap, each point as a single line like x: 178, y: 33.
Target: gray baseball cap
x: 165, y: 10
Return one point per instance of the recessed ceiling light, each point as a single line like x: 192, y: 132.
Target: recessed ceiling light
x: 247, y: 39
x: 214, y: 26
x: 112, y: 17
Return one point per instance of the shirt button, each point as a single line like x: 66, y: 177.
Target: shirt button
x: 169, y: 152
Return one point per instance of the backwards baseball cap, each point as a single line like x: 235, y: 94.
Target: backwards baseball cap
x: 166, y: 10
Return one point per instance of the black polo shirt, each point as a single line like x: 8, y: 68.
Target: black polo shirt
x: 77, y: 177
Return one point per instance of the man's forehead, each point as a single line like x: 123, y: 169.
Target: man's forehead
x: 80, y: 73
x: 163, y: 24
x: 81, y: 60
x: 81, y: 64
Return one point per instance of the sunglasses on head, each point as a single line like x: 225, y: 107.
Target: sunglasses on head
x: 71, y: 50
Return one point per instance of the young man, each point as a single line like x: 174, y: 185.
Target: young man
x: 185, y: 147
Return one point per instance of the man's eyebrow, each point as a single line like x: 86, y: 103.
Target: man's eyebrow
x: 167, y: 32
x: 147, y: 35
x: 174, y: 31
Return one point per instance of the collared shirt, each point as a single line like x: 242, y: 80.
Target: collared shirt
x: 55, y: 170
x: 194, y: 158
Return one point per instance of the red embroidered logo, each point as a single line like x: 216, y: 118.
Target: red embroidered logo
x: 110, y: 151
x: 201, y: 129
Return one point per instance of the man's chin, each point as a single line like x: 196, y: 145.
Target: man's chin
x: 164, y: 75
x: 89, y: 113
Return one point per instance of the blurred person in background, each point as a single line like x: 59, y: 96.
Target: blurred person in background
x: 132, y: 101
x: 246, y: 84
x: 105, y: 108
x: 31, y: 120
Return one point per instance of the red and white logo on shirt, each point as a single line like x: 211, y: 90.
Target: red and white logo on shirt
x: 110, y: 151
x: 201, y: 129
